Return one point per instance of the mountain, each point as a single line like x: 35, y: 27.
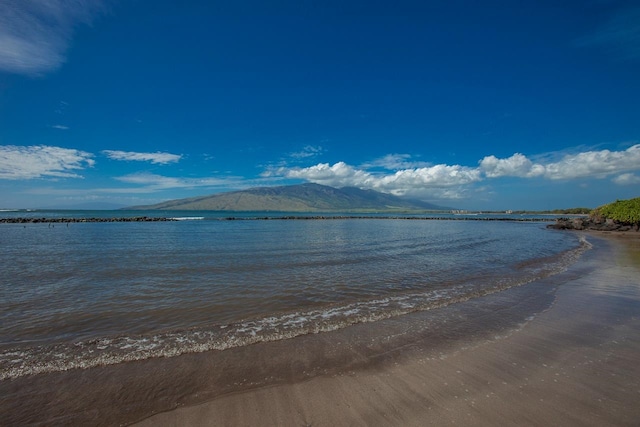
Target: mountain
x: 297, y: 198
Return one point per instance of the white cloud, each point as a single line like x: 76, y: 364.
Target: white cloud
x: 452, y: 181
x: 152, y: 179
x: 307, y: 151
x: 22, y: 162
x: 627, y: 179
x: 395, y: 162
x: 154, y: 182
x: 401, y: 182
x: 516, y: 165
x: 34, y: 34
x: 595, y: 164
x: 338, y: 175
x: 60, y: 127
x: 433, y: 176
x: 157, y: 158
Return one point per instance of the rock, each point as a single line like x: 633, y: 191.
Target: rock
x: 68, y: 220
x: 597, y: 224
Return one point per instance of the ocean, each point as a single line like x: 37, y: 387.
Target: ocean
x: 77, y: 296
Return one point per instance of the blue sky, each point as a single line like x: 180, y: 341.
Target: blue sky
x: 476, y: 105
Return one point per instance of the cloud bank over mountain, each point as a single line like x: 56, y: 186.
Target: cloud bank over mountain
x: 443, y: 179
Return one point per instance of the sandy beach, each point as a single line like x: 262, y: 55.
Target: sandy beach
x: 575, y: 363
x: 559, y: 351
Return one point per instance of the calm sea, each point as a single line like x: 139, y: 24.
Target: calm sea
x: 86, y: 294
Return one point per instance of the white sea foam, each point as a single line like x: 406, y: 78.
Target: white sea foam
x: 187, y: 218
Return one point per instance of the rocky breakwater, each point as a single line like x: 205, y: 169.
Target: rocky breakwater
x: 596, y: 224
x: 68, y: 220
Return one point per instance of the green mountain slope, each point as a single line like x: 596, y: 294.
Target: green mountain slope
x: 296, y: 198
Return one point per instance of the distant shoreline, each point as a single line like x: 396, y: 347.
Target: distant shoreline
x: 44, y: 220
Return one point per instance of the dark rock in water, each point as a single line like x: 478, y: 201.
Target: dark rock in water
x: 68, y: 220
x: 591, y: 224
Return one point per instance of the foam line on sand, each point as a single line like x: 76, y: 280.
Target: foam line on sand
x: 573, y: 364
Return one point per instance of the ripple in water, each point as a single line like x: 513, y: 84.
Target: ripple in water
x: 124, y: 292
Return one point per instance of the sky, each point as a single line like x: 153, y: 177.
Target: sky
x: 488, y: 105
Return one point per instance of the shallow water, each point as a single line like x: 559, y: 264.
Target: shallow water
x: 91, y: 294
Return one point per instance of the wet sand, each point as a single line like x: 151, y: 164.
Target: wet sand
x: 575, y: 363
x: 558, y: 351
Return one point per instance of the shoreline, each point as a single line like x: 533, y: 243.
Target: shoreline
x: 574, y: 363
x: 414, y: 369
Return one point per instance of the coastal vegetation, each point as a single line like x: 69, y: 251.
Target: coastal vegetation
x: 621, y: 215
x: 622, y: 211
x: 570, y: 211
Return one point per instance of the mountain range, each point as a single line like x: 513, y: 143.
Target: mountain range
x: 297, y: 198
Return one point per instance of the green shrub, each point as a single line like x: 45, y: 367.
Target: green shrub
x: 623, y: 211
x: 572, y: 211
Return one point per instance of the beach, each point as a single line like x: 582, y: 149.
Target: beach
x: 561, y: 350
x: 573, y: 364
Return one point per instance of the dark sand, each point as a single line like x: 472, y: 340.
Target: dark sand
x: 560, y: 351
x: 576, y: 364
